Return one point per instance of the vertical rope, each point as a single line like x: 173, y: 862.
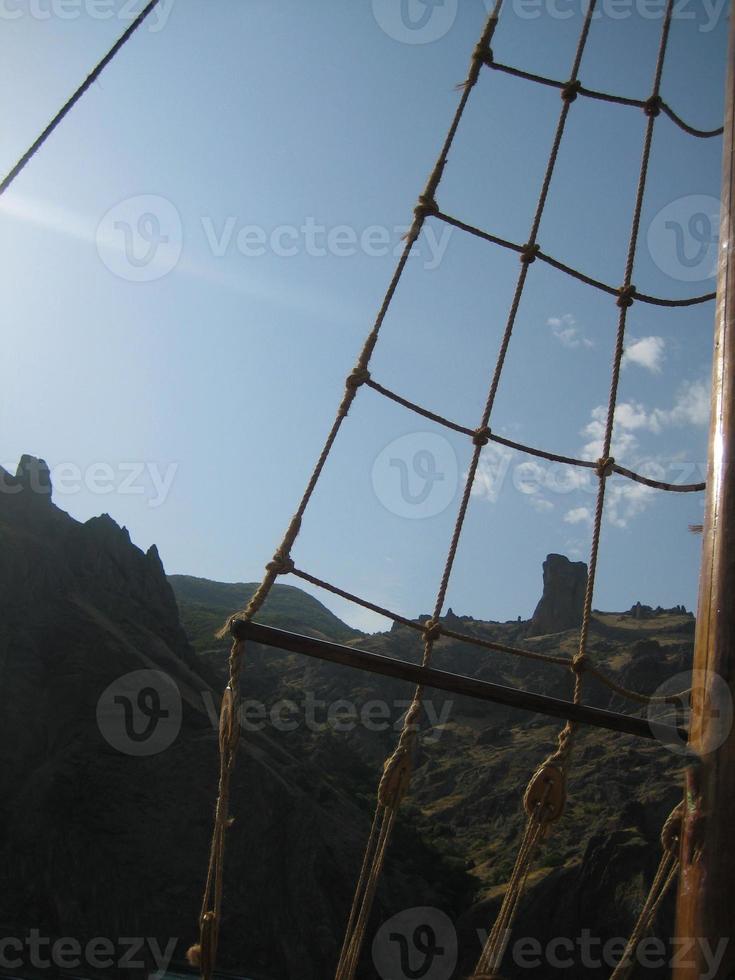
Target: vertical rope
x: 205, y: 952
x: 660, y: 886
x: 492, y: 955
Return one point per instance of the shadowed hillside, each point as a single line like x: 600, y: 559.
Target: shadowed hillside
x: 476, y: 758
x: 108, y: 772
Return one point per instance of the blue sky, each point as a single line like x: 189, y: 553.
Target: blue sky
x: 280, y: 147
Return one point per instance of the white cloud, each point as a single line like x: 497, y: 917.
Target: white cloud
x: 646, y: 352
x: 625, y: 500
x: 691, y: 407
x: 629, y: 418
x: 578, y: 515
x: 567, y: 331
x: 540, y: 504
x: 492, y: 472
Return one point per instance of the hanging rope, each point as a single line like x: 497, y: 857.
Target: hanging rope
x: 282, y: 564
x: 72, y: 101
x: 663, y: 880
x: 492, y: 955
x: 545, y: 795
x: 544, y: 804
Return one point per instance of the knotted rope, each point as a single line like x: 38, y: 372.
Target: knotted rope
x: 663, y: 880
x: 492, y: 955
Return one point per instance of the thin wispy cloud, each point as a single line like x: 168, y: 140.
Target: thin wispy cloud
x: 568, y: 332
x: 646, y: 352
x: 57, y: 219
x: 578, y: 515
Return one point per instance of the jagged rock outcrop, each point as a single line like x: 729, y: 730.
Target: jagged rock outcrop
x: 99, y: 836
x: 562, y: 603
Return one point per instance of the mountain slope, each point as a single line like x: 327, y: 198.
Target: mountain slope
x: 107, y: 783
x: 205, y: 605
x: 475, y: 760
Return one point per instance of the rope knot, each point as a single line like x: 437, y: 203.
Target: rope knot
x: 483, y: 54
x: 579, y: 663
x: 396, y: 776
x: 605, y: 466
x: 626, y: 296
x: 481, y: 437
x: 432, y: 630
x: 281, y: 564
x: 529, y: 252
x: 571, y: 90
x: 358, y: 377
x: 652, y: 106
x: 426, y: 206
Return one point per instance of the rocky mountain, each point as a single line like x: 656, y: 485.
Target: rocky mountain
x: 475, y: 761
x: 108, y: 762
x: 108, y: 770
x: 561, y: 605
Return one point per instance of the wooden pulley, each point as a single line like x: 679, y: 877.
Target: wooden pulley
x: 546, y: 794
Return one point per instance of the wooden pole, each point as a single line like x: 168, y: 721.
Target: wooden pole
x: 706, y: 901
x: 444, y: 680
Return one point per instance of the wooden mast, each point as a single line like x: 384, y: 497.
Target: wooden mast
x: 706, y: 901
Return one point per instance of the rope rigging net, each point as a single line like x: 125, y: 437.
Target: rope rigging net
x: 545, y: 795
x: 546, y: 792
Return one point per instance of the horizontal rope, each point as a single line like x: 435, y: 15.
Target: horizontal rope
x: 605, y: 97
x: 530, y: 450
x: 568, y: 269
x: 441, y: 630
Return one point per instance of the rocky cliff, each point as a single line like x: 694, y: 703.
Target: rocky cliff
x: 108, y: 767
x: 474, y: 762
x: 561, y: 605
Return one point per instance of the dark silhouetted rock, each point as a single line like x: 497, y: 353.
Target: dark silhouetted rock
x: 98, y: 839
x: 562, y: 603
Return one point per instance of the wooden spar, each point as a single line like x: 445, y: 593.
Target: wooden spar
x: 706, y: 900
x: 459, y: 684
